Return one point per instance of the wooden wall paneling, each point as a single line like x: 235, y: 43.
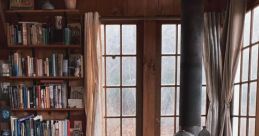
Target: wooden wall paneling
x: 111, y: 7
x: 2, y: 24
x: 135, y: 8
x: 151, y: 77
x: 176, y: 8
x: 140, y: 41
x: 166, y: 7
x: 151, y: 7
x: 88, y: 5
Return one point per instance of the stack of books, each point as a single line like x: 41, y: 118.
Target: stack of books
x: 55, y: 66
x: 35, y: 126
x: 38, y: 96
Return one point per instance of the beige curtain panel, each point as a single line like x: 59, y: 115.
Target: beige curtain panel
x: 223, y: 42
x: 93, y: 68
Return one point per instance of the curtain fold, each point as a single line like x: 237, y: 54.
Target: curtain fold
x: 221, y: 51
x: 212, y: 61
x: 93, y: 68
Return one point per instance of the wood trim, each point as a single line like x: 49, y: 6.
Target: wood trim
x: 40, y: 11
x: 151, y: 84
x: 2, y: 23
x: 139, y: 101
x: 49, y: 110
x: 50, y: 47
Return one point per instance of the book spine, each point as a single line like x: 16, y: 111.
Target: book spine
x: 67, y: 36
x: 20, y: 97
x: 60, y: 65
x: 65, y: 67
x: 24, y: 34
x: 53, y: 60
x: 15, y: 64
x: 19, y: 35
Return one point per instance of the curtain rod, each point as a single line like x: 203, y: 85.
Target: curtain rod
x: 139, y: 18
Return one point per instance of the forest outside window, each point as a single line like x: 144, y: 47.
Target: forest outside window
x: 120, y: 78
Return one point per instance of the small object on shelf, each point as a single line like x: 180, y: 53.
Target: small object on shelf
x: 75, y: 103
x: 4, y: 69
x: 77, y: 133
x: 5, y: 132
x: 58, y: 22
x: 47, y: 5
x: 70, y: 4
x: 77, y: 92
x: 76, y: 97
x: 22, y: 4
x: 4, y: 114
x: 78, y: 125
x: 75, y: 32
x: 76, y: 65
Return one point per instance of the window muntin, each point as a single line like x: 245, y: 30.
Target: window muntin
x: 120, y: 78
x: 245, y: 87
x: 170, y: 81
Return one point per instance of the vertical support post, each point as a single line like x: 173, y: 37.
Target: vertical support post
x: 191, y: 65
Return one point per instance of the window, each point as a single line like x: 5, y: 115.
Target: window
x: 120, y: 78
x: 245, y: 88
x: 170, y: 80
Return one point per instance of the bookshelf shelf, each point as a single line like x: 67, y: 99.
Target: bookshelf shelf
x: 38, y: 78
x: 39, y: 11
x: 48, y: 110
x: 54, y: 46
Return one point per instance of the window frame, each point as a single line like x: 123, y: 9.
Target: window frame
x: 247, y: 82
x: 139, y: 71
x: 175, y: 86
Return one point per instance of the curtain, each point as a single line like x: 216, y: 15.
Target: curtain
x: 93, y: 68
x: 223, y: 42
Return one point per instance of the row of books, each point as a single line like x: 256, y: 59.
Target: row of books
x: 29, y: 33
x: 35, y: 33
x: 55, y: 66
x: 35, y: 126
x: 39, y: 96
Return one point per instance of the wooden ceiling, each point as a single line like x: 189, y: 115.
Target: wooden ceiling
x: 134, y: 8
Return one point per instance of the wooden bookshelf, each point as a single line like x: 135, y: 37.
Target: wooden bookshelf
x: 54, y: 46
x: 49, y: 110
x: 40, y: 11
x: 43, y: 51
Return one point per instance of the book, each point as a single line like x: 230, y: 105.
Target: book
x: 67, y: 36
